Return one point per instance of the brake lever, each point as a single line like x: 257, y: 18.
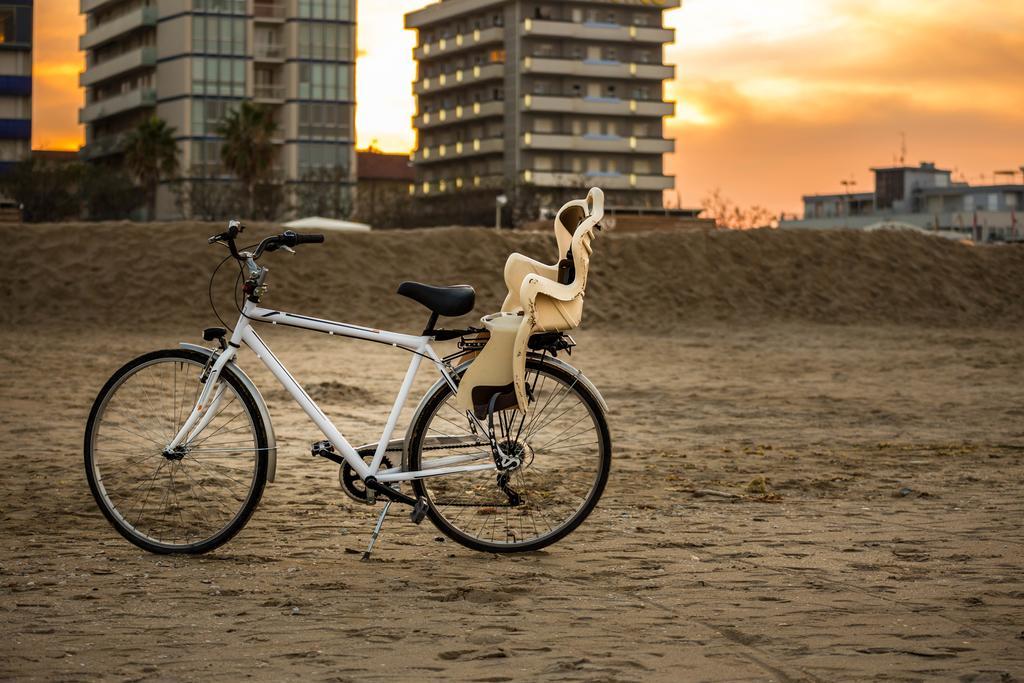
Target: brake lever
x: 288, y: 249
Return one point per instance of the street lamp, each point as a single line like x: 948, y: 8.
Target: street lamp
x: 848, y: 184
x: 500, y: 202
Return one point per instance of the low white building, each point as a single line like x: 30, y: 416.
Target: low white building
x: 924, y: 196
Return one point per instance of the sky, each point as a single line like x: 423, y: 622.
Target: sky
x: 774, y: 99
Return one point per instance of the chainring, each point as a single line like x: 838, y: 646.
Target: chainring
x: 353, y: 486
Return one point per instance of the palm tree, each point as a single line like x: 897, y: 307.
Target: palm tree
x: 248, y: 150
x: 151, y: 155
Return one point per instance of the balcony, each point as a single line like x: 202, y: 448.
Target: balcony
x: 275, y: 12
x: 603, y: 33
x: 608, y: 106
x: 478, y: 110
x: 598, y: 143
x: 597, y: 69
x: 453, y: 185
x: 92, y: 5
x: 460, y: 78
x: 136, y: 59
x: 105, y: 146
x: 267, y: 52
x: 606, y: 181
x: 270, y: 93
x: 459, y: 150
x: 110, y: 30
x: 449, y: 46
x: 133, y: 99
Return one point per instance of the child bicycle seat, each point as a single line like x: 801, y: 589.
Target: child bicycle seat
x: 541, y: 298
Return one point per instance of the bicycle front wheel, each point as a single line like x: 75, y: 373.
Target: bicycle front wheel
x: 561, y: 451
x: 190, y: 499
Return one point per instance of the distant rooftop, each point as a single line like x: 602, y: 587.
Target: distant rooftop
x: 854, y: 196
x: 926, y: 166
x: 377, y: 166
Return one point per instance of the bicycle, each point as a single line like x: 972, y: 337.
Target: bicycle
x: 179, y: 443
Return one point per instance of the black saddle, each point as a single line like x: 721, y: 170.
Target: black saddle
x: 450, y: 302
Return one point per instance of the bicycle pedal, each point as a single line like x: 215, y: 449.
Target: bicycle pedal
x: 321, y: 449
x: 419, y: 510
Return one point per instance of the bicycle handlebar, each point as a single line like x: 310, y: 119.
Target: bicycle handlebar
x: 288, y: 239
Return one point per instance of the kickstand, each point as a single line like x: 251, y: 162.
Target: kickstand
x: 376, y: 529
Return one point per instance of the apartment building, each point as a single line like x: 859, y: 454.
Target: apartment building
x: 542, y: 96
x: 15, y: 82
x: 191, y: 62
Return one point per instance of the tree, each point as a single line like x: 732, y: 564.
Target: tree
x: 325, y: 192
x: 109, y: 194
x: 730, y: 215
x: 208, y: 197
x: 46, y: 191
x: 248, y: 150
x: 151, y: 155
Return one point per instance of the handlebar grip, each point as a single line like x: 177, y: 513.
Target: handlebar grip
x: 291, y: 238
x: 234, y: 228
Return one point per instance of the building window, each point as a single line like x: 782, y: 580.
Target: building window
x: 543, y: 125
x: 325, y: 82
x: 325, y: 121
x: 332, y: 42
x: 220, y: 6
x: 206, y: 156
x: 326, y: 9
x: 207, y: 115
x: 6, y: 25
x: 315, y: 156
x: 218, y: 35
x: 218, y: 76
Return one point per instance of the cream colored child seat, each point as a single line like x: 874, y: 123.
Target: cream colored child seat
x: 541, y: 298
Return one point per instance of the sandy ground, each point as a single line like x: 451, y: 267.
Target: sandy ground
x: 833, y: 575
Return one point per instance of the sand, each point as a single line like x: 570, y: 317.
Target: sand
x: 826, y: 489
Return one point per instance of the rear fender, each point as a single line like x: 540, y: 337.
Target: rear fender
x: 562, y: 365
x: 233, y: 368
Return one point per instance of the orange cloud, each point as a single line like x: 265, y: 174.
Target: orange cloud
x: 795, y: 104
x: 57, y: 63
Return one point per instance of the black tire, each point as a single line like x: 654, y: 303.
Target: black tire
x: 536, y: 367
x: 138, y: 450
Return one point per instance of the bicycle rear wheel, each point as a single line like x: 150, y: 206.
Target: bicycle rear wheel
x: 188, y: 500
x: 564, y: 452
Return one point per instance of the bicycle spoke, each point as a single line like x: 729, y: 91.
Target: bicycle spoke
x: 553, y: 483
x: 182, y: 497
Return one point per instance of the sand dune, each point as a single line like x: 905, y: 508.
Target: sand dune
x: 129, y: 274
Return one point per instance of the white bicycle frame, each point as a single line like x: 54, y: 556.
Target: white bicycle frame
x: 213, y: 391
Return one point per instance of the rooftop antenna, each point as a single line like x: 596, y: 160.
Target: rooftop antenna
x: 903, y: 149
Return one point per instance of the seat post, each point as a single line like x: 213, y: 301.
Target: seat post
x: 429, y: 331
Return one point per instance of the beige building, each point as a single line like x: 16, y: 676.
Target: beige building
x: 190, y: 62
x: 542, y: 97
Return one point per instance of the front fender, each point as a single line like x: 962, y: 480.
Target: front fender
x: 260, y: 404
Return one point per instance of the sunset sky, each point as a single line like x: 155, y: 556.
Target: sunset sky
x: 775, y: 99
